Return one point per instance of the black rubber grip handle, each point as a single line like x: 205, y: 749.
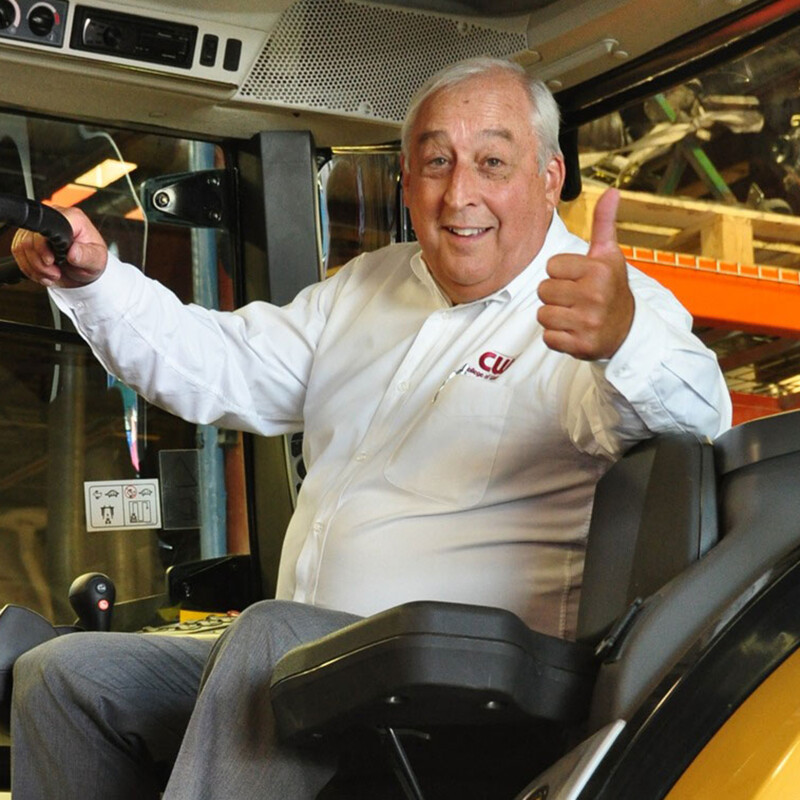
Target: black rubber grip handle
x: 33, y: 216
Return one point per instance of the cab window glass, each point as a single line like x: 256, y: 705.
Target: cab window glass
x: 361, y: 205
x: 64, y: 420
x: 710, y: 170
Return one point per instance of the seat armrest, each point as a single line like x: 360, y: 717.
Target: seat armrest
x: 430, y: 663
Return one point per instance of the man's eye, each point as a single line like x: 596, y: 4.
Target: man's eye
x: 493, y: 162
x: 437, y: 161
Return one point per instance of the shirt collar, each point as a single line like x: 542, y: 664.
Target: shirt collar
x: 423, y: 274
x: 555, y: 240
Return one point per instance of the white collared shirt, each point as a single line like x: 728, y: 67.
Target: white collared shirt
x: 451, y: 455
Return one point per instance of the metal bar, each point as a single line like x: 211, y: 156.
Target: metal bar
x: 213, y: 532
x: 401, y: 765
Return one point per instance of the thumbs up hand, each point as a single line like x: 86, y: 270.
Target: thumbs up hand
x: 588, y: 305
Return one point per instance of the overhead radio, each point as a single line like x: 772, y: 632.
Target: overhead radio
x: 129, y: 36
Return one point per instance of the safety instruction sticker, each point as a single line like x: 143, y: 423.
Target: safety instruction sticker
x: 122, y: 505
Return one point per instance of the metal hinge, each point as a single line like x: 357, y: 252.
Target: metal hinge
x: 196, y: 199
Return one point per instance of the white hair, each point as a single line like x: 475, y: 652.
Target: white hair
x: 545, y: 117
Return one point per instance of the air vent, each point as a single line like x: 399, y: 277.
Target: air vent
x: 365, y: 61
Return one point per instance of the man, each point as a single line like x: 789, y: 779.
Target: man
x: 460, y: 398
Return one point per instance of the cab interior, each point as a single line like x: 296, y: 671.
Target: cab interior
x: 230, y: 111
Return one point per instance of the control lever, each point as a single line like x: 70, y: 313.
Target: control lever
x: 92, y: 598
x: 39, y: 218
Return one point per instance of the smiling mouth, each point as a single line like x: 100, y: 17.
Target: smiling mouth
x: 466, y: 232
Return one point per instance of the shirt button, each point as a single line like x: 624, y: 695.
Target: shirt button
x: 317, y: 527
x: 362, y: 456
x: 402, y: 387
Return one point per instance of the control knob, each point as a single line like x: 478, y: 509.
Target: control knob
x: 9, y: 14
x: 112, y: 36
x: 92, y: 598
x: 41, y: 20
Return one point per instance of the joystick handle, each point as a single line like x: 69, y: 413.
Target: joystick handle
x: 33, y: 216
x: 92, y: 598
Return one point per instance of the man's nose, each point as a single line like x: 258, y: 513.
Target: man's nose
x: 462, y: 186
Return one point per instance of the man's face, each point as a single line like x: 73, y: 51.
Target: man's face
x: 479, y: 206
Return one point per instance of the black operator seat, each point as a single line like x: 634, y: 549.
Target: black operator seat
x: 757, y: 464
x: 437, y: 664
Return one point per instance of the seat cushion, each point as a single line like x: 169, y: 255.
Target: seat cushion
x: 20, y: 630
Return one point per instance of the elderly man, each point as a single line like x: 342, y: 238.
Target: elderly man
x: 460, y: 398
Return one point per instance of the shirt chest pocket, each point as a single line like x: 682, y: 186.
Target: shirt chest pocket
x: 448, y: 453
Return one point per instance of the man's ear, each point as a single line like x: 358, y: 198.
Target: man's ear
x: 555, y: 172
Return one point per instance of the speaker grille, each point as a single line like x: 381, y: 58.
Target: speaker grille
x: 365, y: 61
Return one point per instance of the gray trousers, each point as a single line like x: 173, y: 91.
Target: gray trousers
x: 103, y: 715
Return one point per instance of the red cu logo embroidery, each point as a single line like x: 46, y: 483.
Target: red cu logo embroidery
x: 496, y: 363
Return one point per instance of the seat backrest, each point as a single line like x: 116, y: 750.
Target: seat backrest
x: 655, y: 512
x: 757, y: 464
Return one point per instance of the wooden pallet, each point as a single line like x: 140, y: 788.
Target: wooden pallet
x: 713, y: 230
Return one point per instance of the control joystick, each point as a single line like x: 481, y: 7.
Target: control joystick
x: 92, y: 598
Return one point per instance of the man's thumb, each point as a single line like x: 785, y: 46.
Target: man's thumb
x: 604, y: 224
x: 88, y: 256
